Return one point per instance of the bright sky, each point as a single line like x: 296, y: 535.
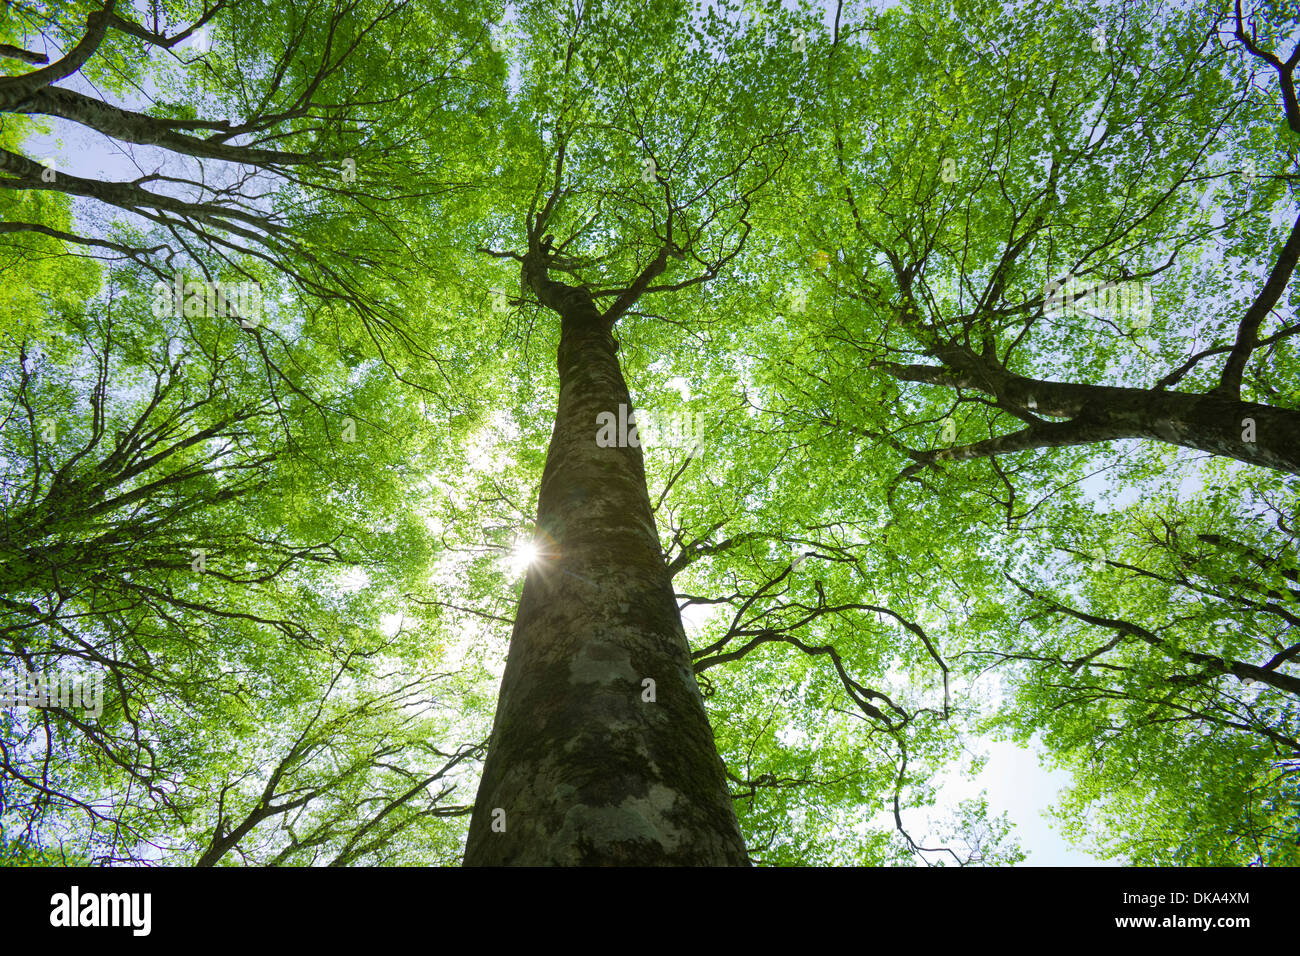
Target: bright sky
x: 1019, y: 785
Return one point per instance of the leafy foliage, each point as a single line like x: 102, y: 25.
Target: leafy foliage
x: 931, y: 505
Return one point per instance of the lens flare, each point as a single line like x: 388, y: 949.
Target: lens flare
x: 524, y: 554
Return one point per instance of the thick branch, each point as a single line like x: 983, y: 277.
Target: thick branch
x: 1248, y: 331
x: 15, y: 89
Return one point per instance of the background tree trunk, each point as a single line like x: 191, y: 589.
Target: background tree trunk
x: 581, y: 768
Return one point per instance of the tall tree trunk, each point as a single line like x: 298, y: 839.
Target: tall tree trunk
x: 582, y: 768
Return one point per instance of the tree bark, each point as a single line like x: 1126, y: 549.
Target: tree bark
x: 581, y: 768
x: 1213, y: 422
x: 1247, y: 431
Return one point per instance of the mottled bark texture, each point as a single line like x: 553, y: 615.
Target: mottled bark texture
x: 582, y: 769
x: 1217, y: 422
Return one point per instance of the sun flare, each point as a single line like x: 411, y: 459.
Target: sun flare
x: 523, y: 556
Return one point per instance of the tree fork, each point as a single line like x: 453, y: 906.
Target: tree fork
x: 589, y: 763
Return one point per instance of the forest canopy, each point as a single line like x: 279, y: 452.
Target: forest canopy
x: 944, y: 352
